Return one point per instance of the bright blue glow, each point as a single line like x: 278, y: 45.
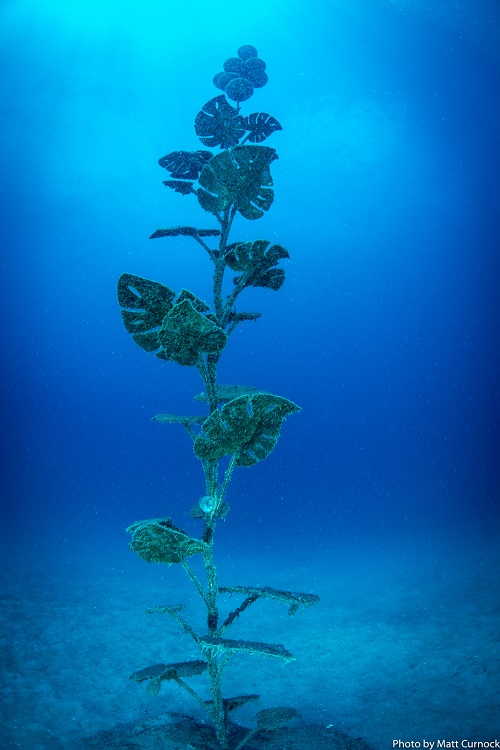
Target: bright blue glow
x: 163, y: 24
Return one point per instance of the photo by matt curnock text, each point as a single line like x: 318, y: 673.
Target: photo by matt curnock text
x: 435, y: 744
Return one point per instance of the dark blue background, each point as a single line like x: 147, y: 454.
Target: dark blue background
x: 385, y: 332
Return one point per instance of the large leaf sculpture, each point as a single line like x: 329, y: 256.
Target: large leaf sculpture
x: 248, y: 426
x: 260, y: 126
x: 240, y: 177
x: 219, y: 124
x: 179, y: 332
x: 159, y: 540
x: 230, y: 645
x: 180, y: 186
x: 256, y: 259
x: 185, y: 232
x: 239, y: 425
x: 185, y: 165
x: 177, y: 671
x: 186, y: 333
x: 145, y: 305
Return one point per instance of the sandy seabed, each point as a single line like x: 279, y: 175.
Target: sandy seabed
x: 406, y: 650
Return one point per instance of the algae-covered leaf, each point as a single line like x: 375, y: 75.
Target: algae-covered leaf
x: 248, y: 426
x: 185, y: 668
x: 144, y: 304
x: 185, y: 165
x: 257, y: 260
x: 184, y: 168
x: 241, y: 177
x: 179, y: 419
x: 148, y: 673
x: 274, y: 718
x: 294, y: 599
x: 231, y: 704
x: 272, y: 279
x: 170, y: 609
x: 250, y: 647
x: 185, y: 231
x: 159, y: 540
x: 219, y: 124
x: 260, y: 126
x: 179, y: 332
x: 197, y: 303
x: 238, y: 317
x: 186, y: 333
x: 180, y: 186
x: 247, y: 256
x: 157, y: 673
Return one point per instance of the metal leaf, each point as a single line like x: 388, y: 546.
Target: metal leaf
x: 159, y: 540
x: 249, y: 647
x: 248, y: 426
x: 179, y: 332
x: 178, y: 419
x: 257, y: 259
x: 180, y: 186
x: 241, y: 177
x: 293, y: 599
x: 175, y: 670
x: 185, y: 231
x: 248, y: 256
x: 185, y: 165
x: 219, y: 124
x: 231, y: 704
x: 260, y: 126
x: 186, y: 333
x: 145, y: 305
x: 273, y: 279
x: 274, y: 718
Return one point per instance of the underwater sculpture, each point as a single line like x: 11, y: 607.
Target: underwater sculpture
x: 243, y: 423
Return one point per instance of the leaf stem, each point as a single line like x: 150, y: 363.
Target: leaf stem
x: 205, y: 246
x: 231, y: 298
x: 195, y: 580
x: 195, y: 695
x: 185, y: 625
x: 237, y: 612
x: 227, y: 477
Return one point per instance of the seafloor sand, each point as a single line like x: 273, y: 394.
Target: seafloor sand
x: 398, y: 649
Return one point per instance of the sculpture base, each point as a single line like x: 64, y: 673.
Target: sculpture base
x: 170, y: 730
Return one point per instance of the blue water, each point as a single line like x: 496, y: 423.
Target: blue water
x: 386, y: 331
